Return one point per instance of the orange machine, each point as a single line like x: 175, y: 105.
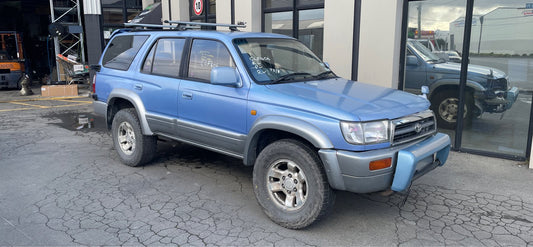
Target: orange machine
x: 11, y: 60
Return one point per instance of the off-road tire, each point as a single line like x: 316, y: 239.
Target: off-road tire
x: 319, y: 195
x: 143, y: 147
x: 444, y: 103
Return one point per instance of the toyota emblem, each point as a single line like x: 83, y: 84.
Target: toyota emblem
x: 418, y: 127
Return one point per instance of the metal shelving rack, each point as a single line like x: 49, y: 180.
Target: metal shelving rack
x: 68, y: 13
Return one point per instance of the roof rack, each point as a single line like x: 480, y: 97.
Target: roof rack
x: 148, y: 25
x: 185, y: 25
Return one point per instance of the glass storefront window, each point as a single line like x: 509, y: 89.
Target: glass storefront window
x: 212, y: 7
x: 499, y: 83
x: 501, y: 52
x: 278, y: 3
x: 311, y: 29
x: 426, y: 62
x: 113, y: 16
x: 131, y: 13
x: 302, y: 3
x: 134, y: 4
x: 112, y: 3
x: 279, y: 22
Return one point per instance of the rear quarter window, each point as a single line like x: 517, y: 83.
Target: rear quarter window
x: 122, y: 50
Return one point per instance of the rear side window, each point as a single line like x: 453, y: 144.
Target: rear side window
x: 122, y: 50
x: 206, y: 55
x: 167, y: 58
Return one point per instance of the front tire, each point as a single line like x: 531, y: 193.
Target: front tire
x: 291, y: 185
x: 445, y: 104
x: 133, y: 148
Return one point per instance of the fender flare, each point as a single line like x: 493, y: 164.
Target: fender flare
x: 455, y: 83
x: 135, y: 100
x: 291, y: 125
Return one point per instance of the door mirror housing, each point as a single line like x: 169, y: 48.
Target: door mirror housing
x: 225, y: 76
x: 411, y: 60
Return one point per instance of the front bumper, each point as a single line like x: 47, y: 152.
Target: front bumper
x: 502, y: 103
x: 350, y: 170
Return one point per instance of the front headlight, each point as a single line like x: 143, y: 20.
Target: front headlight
x: 366, y: 133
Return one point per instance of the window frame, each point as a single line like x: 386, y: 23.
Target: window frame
x: 186, y: 65
x: 154, y: 45
x: 134, y: 56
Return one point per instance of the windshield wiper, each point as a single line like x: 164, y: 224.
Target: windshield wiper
x: 324, y: 75
x: 288, y: 76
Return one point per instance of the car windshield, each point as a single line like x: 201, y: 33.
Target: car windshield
x: 423, y: 52
x: 277, y: 60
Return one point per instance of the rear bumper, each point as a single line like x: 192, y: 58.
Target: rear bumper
x: 349, y: 170
x: 100, y: 108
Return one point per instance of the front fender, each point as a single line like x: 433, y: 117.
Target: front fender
x: 294, y: 126
x: 135, y: 100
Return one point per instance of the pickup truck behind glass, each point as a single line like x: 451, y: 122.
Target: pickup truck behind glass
x: 487, y: 89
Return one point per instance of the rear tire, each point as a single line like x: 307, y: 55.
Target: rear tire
x: 291, y: 185
x: 133, y: 148
x: 445, y: 104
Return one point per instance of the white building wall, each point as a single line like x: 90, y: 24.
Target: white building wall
x: 379, y: 43
x: 338, y: 35
x: 504, y: 31
x: 248, y: 11
x: 179, y: 10
x: 223, y: 13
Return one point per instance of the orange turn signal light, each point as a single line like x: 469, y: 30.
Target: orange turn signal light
x: 380, y: 164
x: 253, y: 112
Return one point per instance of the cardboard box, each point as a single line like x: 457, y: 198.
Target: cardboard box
x: 59, y: 90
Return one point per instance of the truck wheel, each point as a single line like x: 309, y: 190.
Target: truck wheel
x: 291, y: 185
x: 445, y: 104
x: 132, y: 146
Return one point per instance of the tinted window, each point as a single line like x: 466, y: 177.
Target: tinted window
x: 167, y: 57
x: 205, y: 55
x: 121, y: 51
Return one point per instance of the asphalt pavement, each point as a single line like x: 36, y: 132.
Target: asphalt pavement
x: 60, y: 185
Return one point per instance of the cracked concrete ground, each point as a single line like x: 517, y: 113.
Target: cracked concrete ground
x: 60, y: 186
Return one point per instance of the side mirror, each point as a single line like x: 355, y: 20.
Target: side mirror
x: 327, y: 65
x: 411, y: 60
x: 225, y: 76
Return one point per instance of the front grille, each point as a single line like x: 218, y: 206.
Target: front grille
x: 497, y: 84
x: 413, y: 127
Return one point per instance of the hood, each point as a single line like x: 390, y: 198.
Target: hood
x: 473, y: 70
x: 348, y: 100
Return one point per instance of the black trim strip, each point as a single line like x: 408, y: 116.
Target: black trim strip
x: 530, y: 132
x: 464, y: 72
x: 232, y: 11
x: 170, y: 9
x: 490, y: 154
x: 356, y: 39
x: 403, y: 45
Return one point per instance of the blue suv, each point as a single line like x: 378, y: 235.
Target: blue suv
x: 268, y: 100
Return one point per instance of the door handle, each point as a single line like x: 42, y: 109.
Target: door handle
x: 138, y: 86
x: 186, y: 95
